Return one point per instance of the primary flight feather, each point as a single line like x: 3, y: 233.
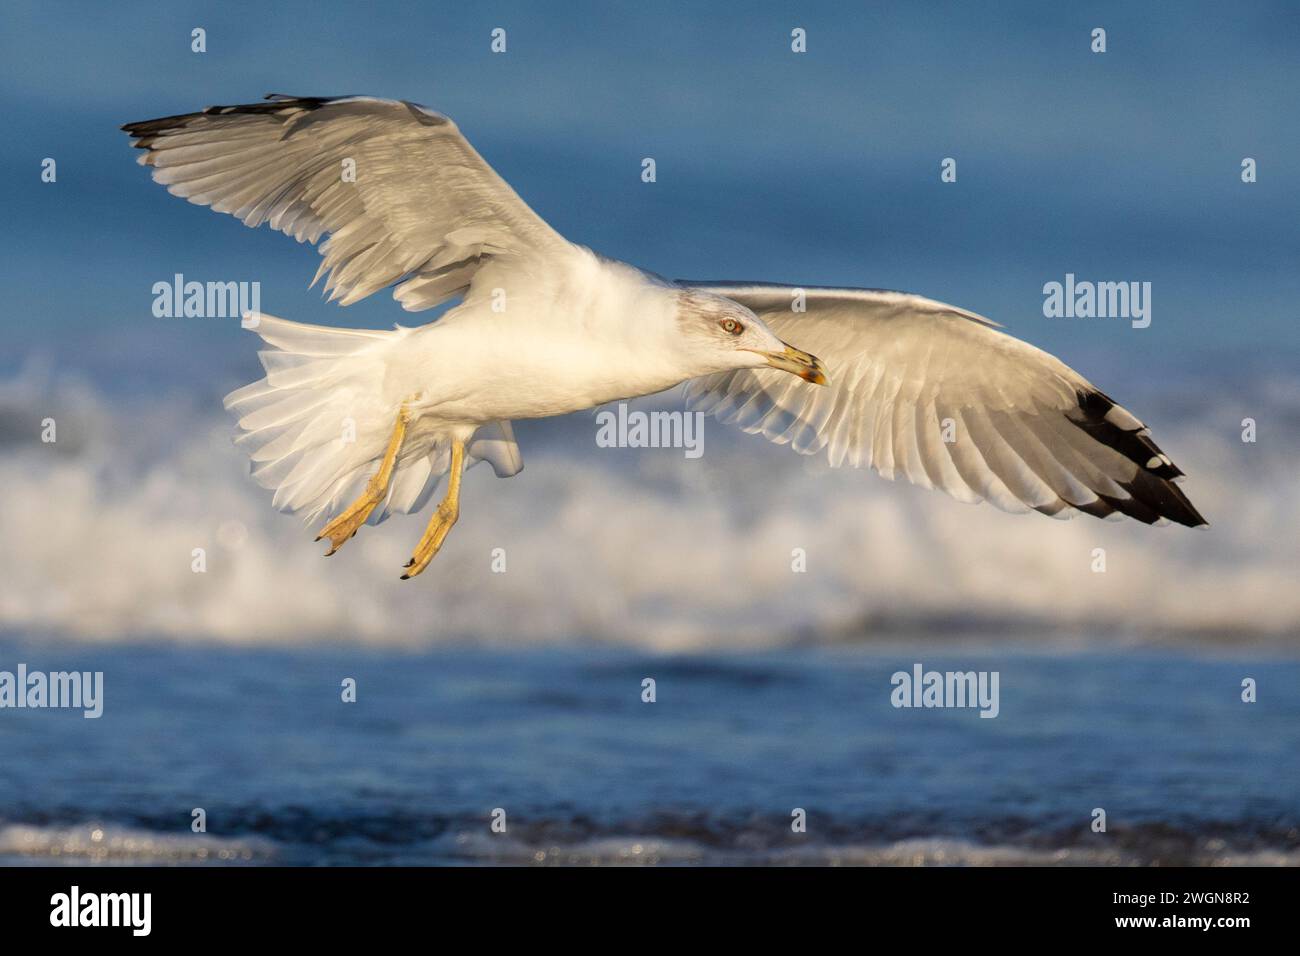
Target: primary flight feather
x: 545, y: 327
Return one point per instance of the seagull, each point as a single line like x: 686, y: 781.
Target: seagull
x: 905, y: 385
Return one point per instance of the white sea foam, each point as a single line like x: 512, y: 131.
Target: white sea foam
x: 652, y: 850
x: 627, y: 545
x: 113, y: 844
x: 117, y: 845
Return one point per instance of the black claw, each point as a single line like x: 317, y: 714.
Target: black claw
x: 406, y: 577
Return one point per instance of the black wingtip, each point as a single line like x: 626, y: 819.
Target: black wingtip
x: 1161, y: 499
x: 1152, y: 493
x: 273, y: 103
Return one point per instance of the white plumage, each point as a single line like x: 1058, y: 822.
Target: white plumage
x: 544, y: 327
x: 937, y: 395
x: 314, y: 427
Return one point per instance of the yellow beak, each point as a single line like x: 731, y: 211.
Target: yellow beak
x: 797, y: 362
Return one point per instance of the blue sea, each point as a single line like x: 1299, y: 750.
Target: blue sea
x: 770, y: 598
x: 560, y: 745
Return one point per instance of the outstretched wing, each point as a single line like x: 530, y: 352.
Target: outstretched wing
x: 400, y: 193
x: 935, y: 394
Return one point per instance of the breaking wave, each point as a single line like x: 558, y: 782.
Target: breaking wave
x: 638, y: 546
x: 97, y: 843
x: 664, y: 840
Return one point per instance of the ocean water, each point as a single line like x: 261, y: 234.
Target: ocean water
x: 520, y: 690
x: 709, y: 773
x: 478, y: 689
x: 641, y: 547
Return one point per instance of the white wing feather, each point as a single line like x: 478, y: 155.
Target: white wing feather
x: 402, y: 197
x: 400, y: 193
x: 937, y: 395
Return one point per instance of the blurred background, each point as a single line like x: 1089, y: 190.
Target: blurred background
x: 521, y: 690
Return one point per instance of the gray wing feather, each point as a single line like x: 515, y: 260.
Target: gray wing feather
x: 424, y: 208
x: 937, y: 395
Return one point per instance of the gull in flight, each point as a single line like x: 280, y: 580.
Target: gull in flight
x: 904, y: 385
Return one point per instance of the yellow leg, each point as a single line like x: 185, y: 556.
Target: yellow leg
x: 443, y: 518
x: 354, y: 516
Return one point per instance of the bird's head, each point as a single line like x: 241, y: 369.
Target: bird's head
x: 725, y: 335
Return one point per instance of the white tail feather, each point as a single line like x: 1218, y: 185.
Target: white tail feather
x: 317, y: 425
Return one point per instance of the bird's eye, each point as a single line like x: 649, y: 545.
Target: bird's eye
x: 731, y: 326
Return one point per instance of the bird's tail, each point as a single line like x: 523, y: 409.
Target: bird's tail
x: 317, y: 425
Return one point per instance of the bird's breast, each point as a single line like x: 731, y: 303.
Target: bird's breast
x: 486, y: 366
